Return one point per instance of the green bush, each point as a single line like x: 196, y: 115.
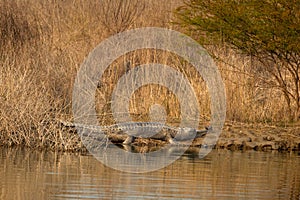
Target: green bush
x: 268, y: 30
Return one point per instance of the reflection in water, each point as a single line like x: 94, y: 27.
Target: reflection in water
x: 26, y: 174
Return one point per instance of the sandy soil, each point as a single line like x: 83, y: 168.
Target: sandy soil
x: 235, y: 136
x: 258, y: 137
x: 240, y: 136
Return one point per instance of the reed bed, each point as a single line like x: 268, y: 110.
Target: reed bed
x: 43, y: 44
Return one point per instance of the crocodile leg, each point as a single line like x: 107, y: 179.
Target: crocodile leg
x: 129, y: 140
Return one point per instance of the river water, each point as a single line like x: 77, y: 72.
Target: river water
x: 31, y: 174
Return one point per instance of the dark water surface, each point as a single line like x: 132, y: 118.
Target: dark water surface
x: 29, y: 174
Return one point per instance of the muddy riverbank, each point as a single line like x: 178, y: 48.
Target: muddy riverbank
x: 258, y: 137
x: 240, y: 136
x: 235, y: 136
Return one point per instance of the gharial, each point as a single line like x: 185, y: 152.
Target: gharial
x: 134, y: 130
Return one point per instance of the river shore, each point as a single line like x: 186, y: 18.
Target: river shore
x: 242, y: 136
x: 235, y: 136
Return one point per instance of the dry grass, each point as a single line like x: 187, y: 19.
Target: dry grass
x: 43, y: 44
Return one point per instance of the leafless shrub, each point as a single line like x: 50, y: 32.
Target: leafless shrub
x: 119, y: 15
